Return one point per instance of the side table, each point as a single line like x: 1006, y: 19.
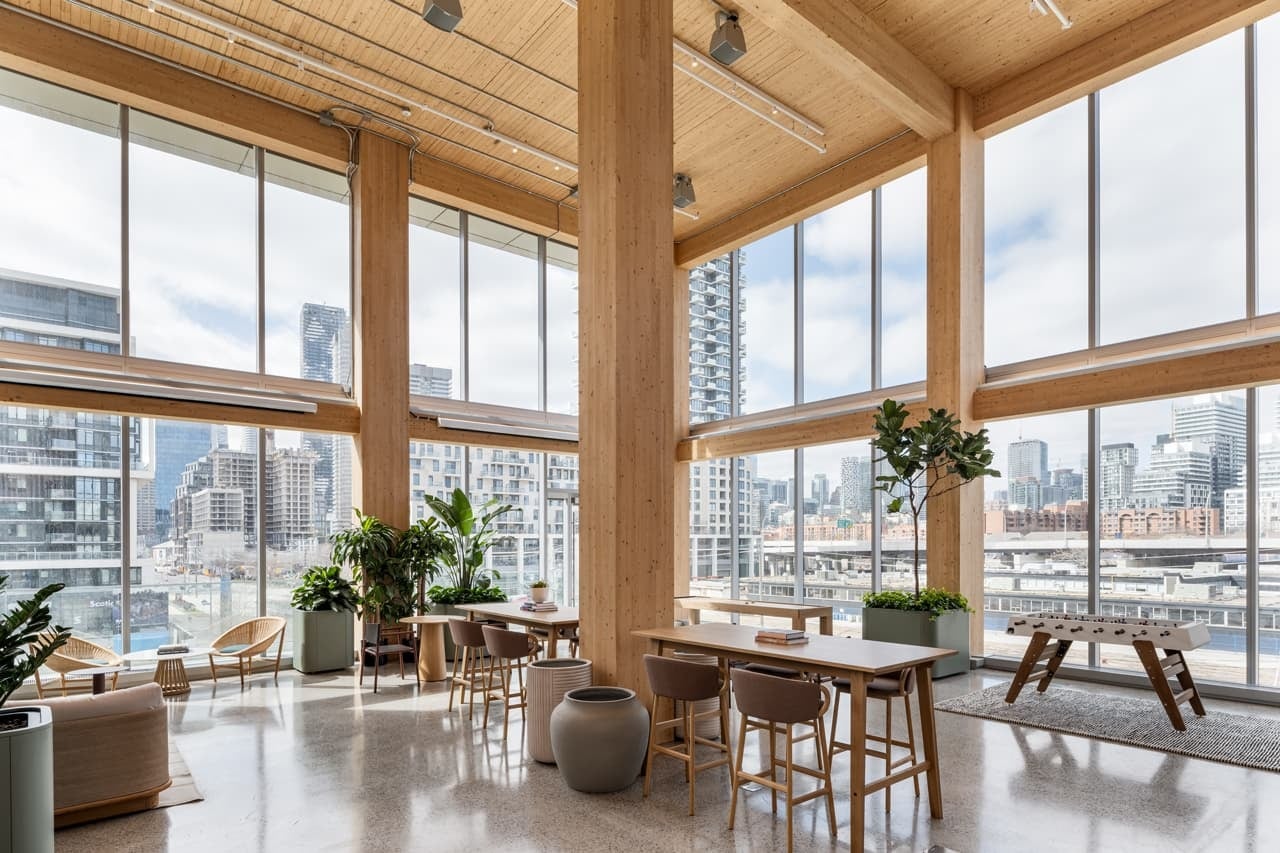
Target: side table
x: 431, y: 664
x: 171, y: 673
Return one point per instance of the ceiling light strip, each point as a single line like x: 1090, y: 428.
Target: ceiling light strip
x: 821, y: 149
x: 304, y: 61
x: 734, y: 79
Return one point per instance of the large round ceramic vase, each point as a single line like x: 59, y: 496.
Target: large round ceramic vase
x: 26, y: 775
x: 546, y: 682
x: 599, y: 736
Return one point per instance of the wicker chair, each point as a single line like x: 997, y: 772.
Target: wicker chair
x: 246, y: 641
x: 79, y: 653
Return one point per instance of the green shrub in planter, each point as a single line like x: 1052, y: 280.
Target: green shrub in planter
x: 324, y: 621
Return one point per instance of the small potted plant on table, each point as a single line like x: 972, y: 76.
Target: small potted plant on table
x: 539, y: 591
x: 926, y: 459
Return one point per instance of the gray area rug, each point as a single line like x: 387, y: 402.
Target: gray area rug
x: 1133, y: 721
x: 183, y: 790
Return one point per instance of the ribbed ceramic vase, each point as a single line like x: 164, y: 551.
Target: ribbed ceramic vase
x: 547, y: 682
x: 599, y: 736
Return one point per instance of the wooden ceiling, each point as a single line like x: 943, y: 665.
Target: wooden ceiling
x: 514, y: 64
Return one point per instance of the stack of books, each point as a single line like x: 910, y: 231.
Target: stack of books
x: 539, y: 608
x: 781, y: 637
x: 173, y: 649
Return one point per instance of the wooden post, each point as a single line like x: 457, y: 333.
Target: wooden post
x: 955, y: 357
x: 680, y: 427
x: 380, y: 340
x: 626, y: 345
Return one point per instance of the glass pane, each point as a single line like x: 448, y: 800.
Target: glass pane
x: 837, y: 301
x: 837, y: 531
x: 435, y: 301
x: 767, y: 545
x: 711, y: 527
x: 193, y: 281
x: 562, y: 329
x: 562, y: 569
x: 1268, y: 506
x: 60, y: 223
x: 766, y: 277
x: 512, y: 477
x: 308, y: 268
x: 1268, y: 56
x: 711, y: 342
x: 436, y: 470
x: 60, y: 516
x: 903, y: 235
x: 199, y: 578
x: 1172, y: 194
x: 1168, y: 469
x: 503, y: 314
x: 1037, y: 237
x: 1037, y: 526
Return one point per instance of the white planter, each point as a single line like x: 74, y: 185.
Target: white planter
x: 26, y: 774
x: 539, y: 594
x: 546, y: 683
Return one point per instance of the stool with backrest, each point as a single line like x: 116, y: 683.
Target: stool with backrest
x: 777, y: 705
x: 371, y: 642
x: 469, y: 674
x: 687, y: 682
x: 888, y: 687
x: 508, y: 652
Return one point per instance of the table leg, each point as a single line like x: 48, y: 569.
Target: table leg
x: 857, y: 759
x: 553, y: 640
x: 99, y: 683
x: 824, y: 625
x: 695, y: 617
x: 171, y: 675
x: 929, y: 733
x: 431, y: 663
x: 798, y: 623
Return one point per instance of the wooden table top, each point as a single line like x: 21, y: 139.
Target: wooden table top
x: 426, y: 619
x: 836, y: 654
x: 509, y: 611
x: 763, y: 608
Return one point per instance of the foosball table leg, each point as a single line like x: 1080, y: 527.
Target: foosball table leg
x: 1051, y: 669
x: 1159, y: 671
x: 1035, y: 649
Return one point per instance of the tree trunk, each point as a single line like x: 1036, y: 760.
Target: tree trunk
x: 915, y: 520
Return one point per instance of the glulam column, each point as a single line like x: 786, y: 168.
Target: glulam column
x: 627, y: 415
x: 955, y: 357
x: 380, y: 337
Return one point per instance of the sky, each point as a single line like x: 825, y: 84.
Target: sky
x: 1172, y: 253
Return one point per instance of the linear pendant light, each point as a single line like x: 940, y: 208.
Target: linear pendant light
x: 303, y: 61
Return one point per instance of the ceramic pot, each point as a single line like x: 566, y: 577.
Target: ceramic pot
x: 26, y: 778
x: 546, y: 683
x: 599, y: 736
x: 539, y: 594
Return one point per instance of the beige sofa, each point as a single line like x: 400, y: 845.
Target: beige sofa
x: 110, y: 753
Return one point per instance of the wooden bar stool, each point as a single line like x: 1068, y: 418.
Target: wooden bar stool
x: 508, y: 651
x: 887, y: 687
x: 469, y: 674
x: 687, y: 682
x: 778, y: 705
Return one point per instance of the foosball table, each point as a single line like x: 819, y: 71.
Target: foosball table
x: 1041, y: 661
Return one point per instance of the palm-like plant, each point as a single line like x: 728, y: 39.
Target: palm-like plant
x: 26, y: 640
x: 470, y: 534
x: 420, y: 551
x: 370, y: 549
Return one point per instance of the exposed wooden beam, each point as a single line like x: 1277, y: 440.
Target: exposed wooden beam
x: 1164, y: 32
x: 838, y: 183
x: 826, y: 429
x: 380, y: 333
x: 850, y: 43
x: 429, y: 429
x: 50, y: 52
x: 954, y: 358
x: 1233, y: 366
x: 328, y: 417
x: 626, y: 343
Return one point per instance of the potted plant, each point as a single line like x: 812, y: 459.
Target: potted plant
x: 323, y: 622
x: 539, y: 591
x: 419, y: 551
x: 26, y: 734
x: 926, y: 459
x: 370, y: 548
x: 469, y: 535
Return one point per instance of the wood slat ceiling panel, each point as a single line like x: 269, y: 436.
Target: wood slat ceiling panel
x: 977, y: 44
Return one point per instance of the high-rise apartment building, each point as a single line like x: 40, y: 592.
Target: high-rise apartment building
x: 855, y: 487
x: 290, y: 497
x: 1179, y: 475
x: 326, y: 357
x: 1218, y: 422
x: 177, y: 444
x: 429, y: 381
x: 1029, y: 459
x: 1119, y: 463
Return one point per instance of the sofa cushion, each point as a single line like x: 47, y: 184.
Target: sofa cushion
x: 144, y: 697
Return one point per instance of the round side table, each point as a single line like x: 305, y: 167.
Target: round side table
x: 171, y: 673
x: 431, y: 664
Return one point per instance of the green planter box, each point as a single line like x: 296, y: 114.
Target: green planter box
x: 323, y: 640
x: 948, y: 631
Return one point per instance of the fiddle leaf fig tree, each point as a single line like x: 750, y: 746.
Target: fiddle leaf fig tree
x: 927, y: 459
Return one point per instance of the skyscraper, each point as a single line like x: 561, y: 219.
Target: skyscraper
x: 177, y: 444
x: 326, y: 357
x: 855, y: 487
x: 428, y: 381
x: 1029, y: 459
x: 1119, y: 464
x: 1218, y: 422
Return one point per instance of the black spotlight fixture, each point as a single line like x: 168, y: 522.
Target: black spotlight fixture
x: 682, y: 194
x: 443, y: 14
x: 728, y: 44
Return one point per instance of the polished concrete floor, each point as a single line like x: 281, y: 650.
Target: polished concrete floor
x: 318, y: 764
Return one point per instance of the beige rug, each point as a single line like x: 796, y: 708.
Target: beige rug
x: 183, y: 790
